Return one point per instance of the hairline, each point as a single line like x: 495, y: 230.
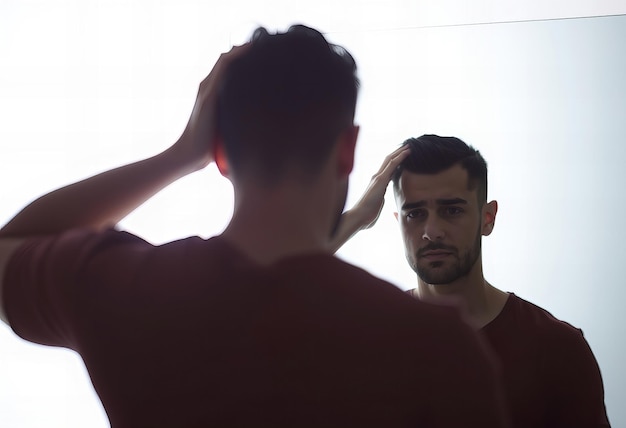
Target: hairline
x: 473, y: 184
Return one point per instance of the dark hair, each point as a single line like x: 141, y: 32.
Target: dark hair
x: 431, y: 154
x: 284, y: 102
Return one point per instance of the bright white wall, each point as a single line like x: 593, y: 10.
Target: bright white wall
x: 86, y: 85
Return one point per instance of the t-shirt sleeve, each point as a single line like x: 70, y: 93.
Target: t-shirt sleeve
x: 578, y: 394
x: 42, y: 287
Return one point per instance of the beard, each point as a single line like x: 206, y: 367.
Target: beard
x: 437, y: 273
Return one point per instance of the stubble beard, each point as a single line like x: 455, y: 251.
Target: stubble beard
x: 434, y: 273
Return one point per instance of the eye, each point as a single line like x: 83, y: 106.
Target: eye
x: 416, y: 214
x: 452, y: 211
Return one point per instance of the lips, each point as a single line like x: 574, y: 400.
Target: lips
x: 435, y: 255
x: 435, y: 252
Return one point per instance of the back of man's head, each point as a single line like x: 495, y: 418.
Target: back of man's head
x: 432, y: 154
x: 284, y: 102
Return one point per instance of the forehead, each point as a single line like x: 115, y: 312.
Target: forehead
x: 450, y: 183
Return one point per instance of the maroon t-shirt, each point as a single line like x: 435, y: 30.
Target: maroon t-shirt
x: 550, y: 376
x: 191, y: 334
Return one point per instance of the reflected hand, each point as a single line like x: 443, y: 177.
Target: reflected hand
x: 370, y: 205
x: 367, y: 210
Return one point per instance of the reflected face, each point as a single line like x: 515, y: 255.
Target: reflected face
x: 442, y: 223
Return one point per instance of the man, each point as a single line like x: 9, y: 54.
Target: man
x: 260, y: 326
x: 550, y: 375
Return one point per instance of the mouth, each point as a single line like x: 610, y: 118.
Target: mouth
x: 435, y: 255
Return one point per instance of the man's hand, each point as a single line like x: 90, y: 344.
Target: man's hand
x: 370, y: 205
x: 366, y: 211
x: 198, y: 139
x: 104, y: 199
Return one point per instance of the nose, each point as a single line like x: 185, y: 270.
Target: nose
x: 433, y: 230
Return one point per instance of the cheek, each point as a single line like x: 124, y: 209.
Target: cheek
x: 410, y: 236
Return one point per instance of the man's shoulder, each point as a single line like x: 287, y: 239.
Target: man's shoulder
x: 331, y: 275
x: 336, y: 275
x: 71, y: 247
x: 541, y: 321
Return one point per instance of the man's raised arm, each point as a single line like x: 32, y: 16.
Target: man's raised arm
x: 366, y: 211
x: 103, y: 200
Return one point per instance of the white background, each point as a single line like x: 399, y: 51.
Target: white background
x: 538, y: 87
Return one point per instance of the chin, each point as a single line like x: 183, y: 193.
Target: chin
x: 432, y: 277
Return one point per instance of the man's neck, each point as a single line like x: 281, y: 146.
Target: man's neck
x: 269, y: 225
x: 479, y: 301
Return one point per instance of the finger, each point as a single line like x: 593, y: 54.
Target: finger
x: 392, y: 161
x: 223, y: 62
x: 234, y: 53
x: 390, y: 158
x: 400, y: 154
x: 398, y: 151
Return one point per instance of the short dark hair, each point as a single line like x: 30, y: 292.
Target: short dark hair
x: 431, y: 154
x: 285, y: 101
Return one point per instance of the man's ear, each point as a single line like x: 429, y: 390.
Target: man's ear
x: 347, y: 146
x: 219, y: 154
x: 489, y: 212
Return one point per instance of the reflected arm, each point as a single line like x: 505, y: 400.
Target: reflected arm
x: 366, y: 211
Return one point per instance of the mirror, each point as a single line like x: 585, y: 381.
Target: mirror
x: 543, y: 100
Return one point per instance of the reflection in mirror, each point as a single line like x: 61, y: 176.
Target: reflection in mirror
x: 543, y: 101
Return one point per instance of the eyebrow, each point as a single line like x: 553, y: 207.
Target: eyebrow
x: 442, y: 201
